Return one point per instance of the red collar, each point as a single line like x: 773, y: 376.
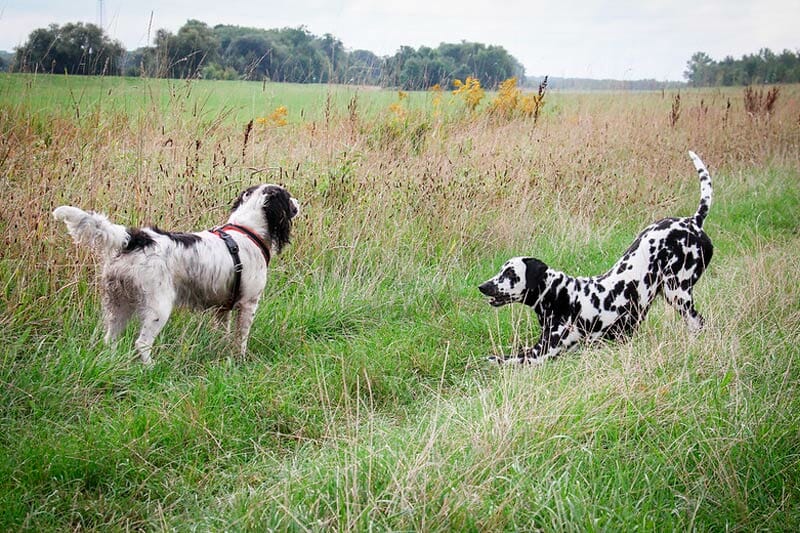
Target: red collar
x: 252, y: 235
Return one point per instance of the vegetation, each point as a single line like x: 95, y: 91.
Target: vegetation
x: 283, y: 55
x: 765, y: 67
x: 364, y: 401
x: 74, y: 48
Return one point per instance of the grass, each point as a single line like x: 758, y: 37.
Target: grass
x: 203, y: 101
x: 363, y: 401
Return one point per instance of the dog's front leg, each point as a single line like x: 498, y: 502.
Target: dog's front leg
x: 552, y: 342
x: 244, y: 320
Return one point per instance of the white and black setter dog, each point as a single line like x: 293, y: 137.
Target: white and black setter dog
x: 669, y: 256
x: 147, y: 271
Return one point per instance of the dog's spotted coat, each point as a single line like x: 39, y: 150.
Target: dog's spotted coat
x: 669, y: 256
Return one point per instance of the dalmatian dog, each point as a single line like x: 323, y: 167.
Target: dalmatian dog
x: 668, y: 256
x: 147, y: 271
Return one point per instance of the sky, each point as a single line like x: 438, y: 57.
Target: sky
x: 623, y: 40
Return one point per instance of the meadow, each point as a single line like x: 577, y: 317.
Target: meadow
x: 364, y: 401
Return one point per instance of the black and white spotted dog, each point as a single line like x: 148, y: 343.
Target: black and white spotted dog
x: 147, y: 271
x: 669, y: 255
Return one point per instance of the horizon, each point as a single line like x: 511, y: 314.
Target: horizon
x: 577, y: 39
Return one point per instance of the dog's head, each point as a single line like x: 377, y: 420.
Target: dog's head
x: 521, y: 280
x: 267, y: 209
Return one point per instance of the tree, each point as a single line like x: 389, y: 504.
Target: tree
x: 182, y: 55
x: 425, y: 67
x: 699, y: 70
x: 75, y: 48
x: 333, y: 50
x: 763, y: 67
x: 363, y: 67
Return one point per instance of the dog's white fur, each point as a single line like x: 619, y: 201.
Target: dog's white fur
x: 147, y: 272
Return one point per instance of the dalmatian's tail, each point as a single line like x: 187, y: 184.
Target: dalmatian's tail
x: 706, y: 192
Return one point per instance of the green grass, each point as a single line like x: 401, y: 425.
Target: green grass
x: 364, y: 401
x: 207, y: 101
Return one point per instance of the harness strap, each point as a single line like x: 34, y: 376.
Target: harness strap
x: 253, y: 237
x: 233, y: 248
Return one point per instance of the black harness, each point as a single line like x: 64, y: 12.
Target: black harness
x: 233, y: 249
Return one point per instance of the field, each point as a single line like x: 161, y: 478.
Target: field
x: 364, y: 401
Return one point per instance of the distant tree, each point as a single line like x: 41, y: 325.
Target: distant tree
x: 182, y: 55
x: 75, y: 48
x: 699, y: 69
x: 333, y: 50
x: 763, y: 67
x: 425, y: 67
x: 363, y: 67
x: 250, y: 55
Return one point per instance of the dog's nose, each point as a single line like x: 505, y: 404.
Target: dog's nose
x: 487, y: 288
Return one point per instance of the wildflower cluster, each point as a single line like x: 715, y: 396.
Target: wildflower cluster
x: 276, y: 118
x: 437, y: 99
x: 510, y: 100
x: 397, y: 109
x: 531, y: 104
x: 471, y: 91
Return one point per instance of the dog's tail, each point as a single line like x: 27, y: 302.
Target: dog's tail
x: 93, y: 229
x: 706, y: 192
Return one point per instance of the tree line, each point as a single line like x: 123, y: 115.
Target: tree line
x: 234, y: 52
x: 198, y: 50
x: 752, y: 69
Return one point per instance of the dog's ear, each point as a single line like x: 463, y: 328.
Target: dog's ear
x: 278, y: 209
x: 535, y: 273
x: 242, y: 197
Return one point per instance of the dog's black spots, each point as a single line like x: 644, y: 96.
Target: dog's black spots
x: 689, y: 261
x: 186, y: 239
x: 553, y: 339
x: 632, y: 248
x: 559, y: 301
x: 138, y: 239
x: 664, y: 224
x: 615, y: 291
x: 510, y: 275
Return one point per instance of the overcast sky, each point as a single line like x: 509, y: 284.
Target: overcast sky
x: 627, y: 39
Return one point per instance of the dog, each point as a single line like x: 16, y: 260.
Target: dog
x: 147, y: 271
x: 668, y: 256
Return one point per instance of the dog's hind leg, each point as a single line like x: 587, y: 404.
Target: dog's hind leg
x: 116, y: 317
x: 154, y: 317
x: 118, y: 297
x: 682, y: 300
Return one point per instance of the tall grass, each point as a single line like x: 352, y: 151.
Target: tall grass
x: 364, y: 401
